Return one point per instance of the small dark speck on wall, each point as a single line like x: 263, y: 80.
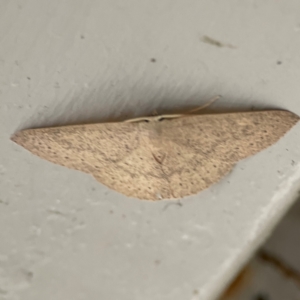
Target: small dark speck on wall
x: 153, y: 60
x: 261, y: 296
x: 279, y: 62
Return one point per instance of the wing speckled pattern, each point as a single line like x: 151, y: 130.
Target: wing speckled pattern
x: 166, y: 159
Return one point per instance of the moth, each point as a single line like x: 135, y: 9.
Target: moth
x: 160, y: 157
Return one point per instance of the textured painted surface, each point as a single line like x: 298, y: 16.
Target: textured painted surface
x: 65, y: 62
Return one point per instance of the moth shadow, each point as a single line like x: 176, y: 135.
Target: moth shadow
x: 144, y: 102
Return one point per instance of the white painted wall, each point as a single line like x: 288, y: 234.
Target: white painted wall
x: 65, y: 236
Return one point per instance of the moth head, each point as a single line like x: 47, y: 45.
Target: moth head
x: 147, y: 119
x: 154, y: 119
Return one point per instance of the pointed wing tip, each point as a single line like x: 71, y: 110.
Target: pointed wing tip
x: 16, y: 138
x: 19, y: 138
x: 294, y: 117
x: 287, y: 117
x: 292, y: 114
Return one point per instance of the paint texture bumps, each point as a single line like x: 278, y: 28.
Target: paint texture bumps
x: 160, y: 158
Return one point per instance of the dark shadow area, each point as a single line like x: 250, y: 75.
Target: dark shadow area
x: 141, y: 101
x: 274, y: 271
